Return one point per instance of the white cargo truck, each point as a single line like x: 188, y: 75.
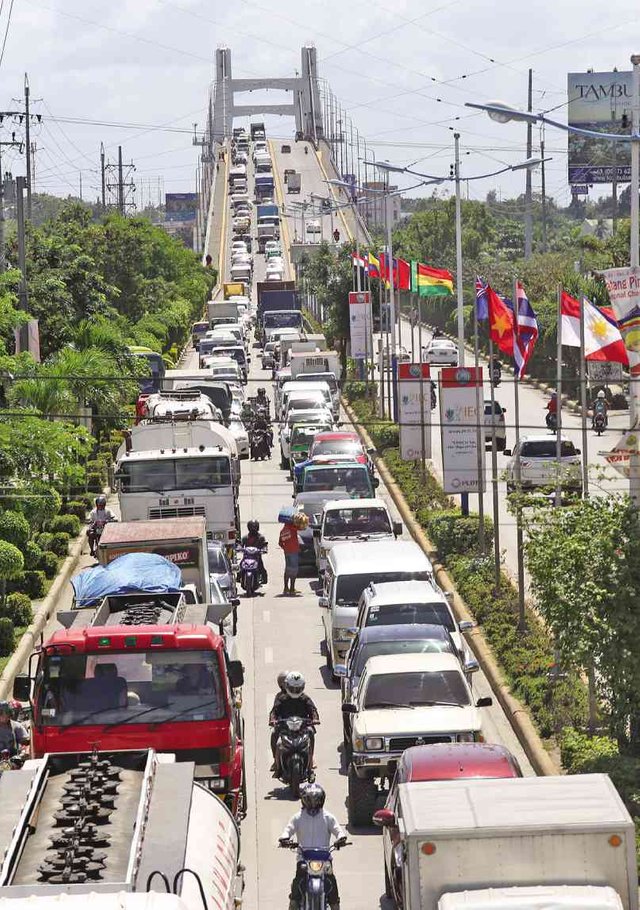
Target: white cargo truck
x: 180, y: 470
x: 529, y: 843
x: 316, y: 362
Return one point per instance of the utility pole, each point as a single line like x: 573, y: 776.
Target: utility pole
x: 528, y: 220
x: 119, y: 185
x: 120, y: 182
x: 27, y: 121
x: 102, y: 178
x: 459, y: 287
x: 21, y: 183
x: 544, y: 199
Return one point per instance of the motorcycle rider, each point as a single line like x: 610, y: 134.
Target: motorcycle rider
x: 292, y: 701
x: 313, y: 827
x: 496, y: 369
x: 261, y: 423
x: 601, y: 406
x: 253, y: 538
x: 14, y: 738
x: 552, y: 408
x: 261, y: 399
x: 98, y: 518
x: 246, y: 414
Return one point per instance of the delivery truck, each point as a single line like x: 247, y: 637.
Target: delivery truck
x: 294, y: 182
x: 233, y: 289
x: 315, y: 362
x: 527, y: 843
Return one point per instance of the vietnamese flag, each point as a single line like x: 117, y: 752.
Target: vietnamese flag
x: 500, y: 322
x: 402, y: 274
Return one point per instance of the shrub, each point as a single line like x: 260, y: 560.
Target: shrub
x: 95, y: 481
x: 76, y: 507
x: 452, y: 532
x: 11, y: 561
x: 60, y: 543
x: 35, y: 583
x: 7, y: 637
x: 32, y: 555
x: 44, y: 540
x: 98, y: 466
x: 584, y: 754
x: 49, y: 563
x: 70, y: 524
x: 14, y: 528
x: 42, y: 503
x: 18, y: 609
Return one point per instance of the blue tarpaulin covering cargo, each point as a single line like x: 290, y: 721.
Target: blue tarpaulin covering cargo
x: 147, y: 573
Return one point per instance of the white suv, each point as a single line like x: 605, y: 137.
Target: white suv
x: 539, y: 466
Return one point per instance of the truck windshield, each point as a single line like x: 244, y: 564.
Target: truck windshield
x: 350, y: 587
x: 133, y: 687
x: 286, y: 320
x: 437, y: 614
x: 168, y: 474
x: 353, y: 522
x: 411, y: 646
x: 414, y: 689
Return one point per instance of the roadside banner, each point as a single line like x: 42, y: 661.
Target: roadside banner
x: 461, y: 399
x: 623, y: 287
x: 414, y: 410
x: 620, y: 455
x: 360, y: 321
x: 604, y: 371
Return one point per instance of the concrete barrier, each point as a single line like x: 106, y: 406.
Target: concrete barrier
x: 516, y: 713
x: 47, y: 608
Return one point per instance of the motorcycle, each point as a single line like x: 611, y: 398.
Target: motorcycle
x: 94, y: 533
x: 599, y: 422
x: 260, y: 445
x: 293, y: 752
x: 552, y: 421
x: 9, y: 762
x: 249, y: 571
x: 317, y: 865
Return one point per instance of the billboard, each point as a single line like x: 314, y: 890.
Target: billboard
x: 180, y: 206
x: 414, y: 404
x: 360, y: 324
x: 461, y: 397
x: 602, y: 102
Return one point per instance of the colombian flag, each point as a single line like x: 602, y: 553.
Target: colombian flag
x: 429, y: 282
x: 374, y: 266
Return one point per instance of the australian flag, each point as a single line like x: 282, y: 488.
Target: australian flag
x: 482, y: 303
x: 525, y: 331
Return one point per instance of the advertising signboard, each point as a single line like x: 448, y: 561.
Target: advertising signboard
x: 414, y: 410
x: 461, y: 406
x: 604, y: 371
x: 602, y: 102
x: 360, y: 324
x: 180, y: 206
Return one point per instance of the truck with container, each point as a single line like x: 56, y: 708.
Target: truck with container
x: 179, y: 470
x: 267, y: 216
x: 139, y: 663
x: 121, y: 830
x: 257, y: 130
x: 218, y: 392
x: 527, y: 843
x: 315, y: 362
x: 221, y: 312
x: 233, y: 289
x: 294, y: 183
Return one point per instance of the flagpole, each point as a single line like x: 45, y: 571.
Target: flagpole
x: 480, y: 443
x: 558, y: 497
x: 422, y: 428
x: 381, y: 348
x: 413, y: 299
x: 519, y: 535
x: 583, y: 405
x: 494, y: 475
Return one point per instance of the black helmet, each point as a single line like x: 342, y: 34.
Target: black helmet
x: 282, y: 675
x: 6, y: 708
x: 101, y: 501
x: 253, y: 527
x: 261, y: 391
x: 313, y: 797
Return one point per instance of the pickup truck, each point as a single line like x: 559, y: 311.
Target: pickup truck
x: 404, y: 700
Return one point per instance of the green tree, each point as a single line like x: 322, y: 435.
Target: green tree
x: 11, y: 565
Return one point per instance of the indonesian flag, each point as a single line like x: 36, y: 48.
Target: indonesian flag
x: 602, y: 338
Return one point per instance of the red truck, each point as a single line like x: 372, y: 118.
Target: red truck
x: 142, y: 671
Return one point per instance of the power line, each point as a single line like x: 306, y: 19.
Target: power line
x: 6, y: 32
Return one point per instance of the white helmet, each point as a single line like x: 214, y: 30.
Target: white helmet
x: 601, y: 394
x: 294, y: 684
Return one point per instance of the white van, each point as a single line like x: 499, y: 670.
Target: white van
x: 291, y: 391
x: 366, y: 519
x: 349, y: 569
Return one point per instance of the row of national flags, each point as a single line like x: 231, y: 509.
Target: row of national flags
x: 513, y: 327
x: 413, y: 276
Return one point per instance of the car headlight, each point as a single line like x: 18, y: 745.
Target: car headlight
x: 373, y: 743
x: 466, y: 737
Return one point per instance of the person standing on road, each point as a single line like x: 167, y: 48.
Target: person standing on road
x: 289, y: 542
x: 13, y: 736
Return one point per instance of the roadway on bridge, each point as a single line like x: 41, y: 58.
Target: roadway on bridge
x: 275, y: 633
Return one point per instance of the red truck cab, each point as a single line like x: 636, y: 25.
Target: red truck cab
x: 167, y: 687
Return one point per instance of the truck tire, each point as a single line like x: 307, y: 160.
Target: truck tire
x: 361, y: 799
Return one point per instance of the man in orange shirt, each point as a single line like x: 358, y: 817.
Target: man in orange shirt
x: 290, y: 544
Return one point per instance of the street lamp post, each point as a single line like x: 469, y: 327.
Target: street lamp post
x: 459, y: 288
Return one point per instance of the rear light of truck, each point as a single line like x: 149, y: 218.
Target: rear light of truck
x: 428, y: 849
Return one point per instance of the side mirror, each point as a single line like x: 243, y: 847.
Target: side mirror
x: 371, y: 451
x: 349, y: 708
x: 578, y: 452
x: 22, y: 687
x: 375, y: 483
x: 504, y: 410
x: 317, y: 533
x: 397, y: 529
x: 507, y: 452
x: 471, y: 665
x: 485, y: 702
x: 384, y: 818
x: 323, y: 602
x: 466, y: 625
x: 236, y: 674
x: 339, y: 670
x: 235, y: 602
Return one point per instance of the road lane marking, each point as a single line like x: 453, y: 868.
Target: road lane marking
x: 266, y: 615
x: 268, y: 655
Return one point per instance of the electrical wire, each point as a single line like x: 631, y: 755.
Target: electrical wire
x: 6, y: 32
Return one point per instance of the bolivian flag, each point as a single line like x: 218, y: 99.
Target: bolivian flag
x: 429, y: 282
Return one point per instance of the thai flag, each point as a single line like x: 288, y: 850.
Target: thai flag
x: 525, y: 331
x: 482, y: 303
